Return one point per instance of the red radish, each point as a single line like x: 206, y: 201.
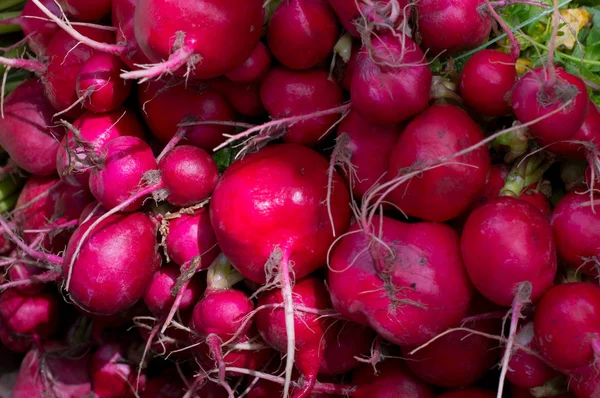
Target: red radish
x: 458, y: 359
x: 26, y: 131
x: 408, y: 298
x: 309, y: 328
x: 122, y: 12
x: 53, y: 374
x: 268, y: 218
x: 369, y: 148
x: 189, y: 175
x: 24, y: 271
x: 391, y: 80
x: 355, y: 16
x: 486, y: 82
x: 99, y: 84
x: 469, y: 393
x: 75, y: 158
x: 93, y: 209
x: 563, y: 104
x: 442, y: 26
x: 255, y: 68
x: 584, y: 382
x: 14, y: 343
x: 302, y: 33
x: 112, y: 375
x: 134, y: 56
x: 539, y: 201
x: 115, y: 263
x: 83, y: 10
x: 126, y: 161
x: 444, y: 192
x: 392, y: 379
x: 185, y: 105
x: 524, y: 369
x: 158, y: 296
x: 588, y: 133
x: 167, y: 29
x: 286, y: 93
x: 505, y: 243
x: 567, y: 323
x: 36, y: 27
x: 243, y: 97
x: 29, y: 317
x: 345, y: 342
x: 192, y: 235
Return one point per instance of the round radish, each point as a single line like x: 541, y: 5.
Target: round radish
x: 23, y: 271
x: 84, y: 10
x: 99, y: 83
x: 392, y: 379
x: 36, y: 26
x: 588, y: 133
x: 192, y: 235
x: 345, y: 342
x: 243, y: 97
x: 506, y: 242
x: 158, y: 296
x: 112, y: 375
x: 255, y: 68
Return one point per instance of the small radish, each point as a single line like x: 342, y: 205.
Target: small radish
x: 302, y: 33
x: 486, y: 82
x: 409, y: 284
x: 562, y: 101
x: 344, y: 343
x: 99, y: 84
x: 35, y: 26
x: 391, y: 80
x: 85, y: 11
x: 567, y: 324
x: 505, y: 243
x: 189, y: 175
x: 286, y: 93
x: 255, y: 68
x: 158, y: 296
x: 444, y: 192
x: 26, y: 131
x: 577, y: 233
x: 113, y: 375
x: 392, y: 379
x: 443, y: 29
x: 125, y: 161
x: 23, y: 271
x: 589, y: 134
x: 243, y: 97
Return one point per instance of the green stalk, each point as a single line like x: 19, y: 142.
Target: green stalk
x: 6, y: 4
x: 8, y: 203
x: 6, y: 29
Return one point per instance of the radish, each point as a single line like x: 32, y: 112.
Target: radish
x: 448, y: 17
x: 577, y: 234
x: 287, y: 93
x: 458, y: 359
x: 486, y: 82
x: 409, y: 283
x: 99, y: 84
x: 243, y: 97
x: 584, y: 382
x: 357, y: 16
x: 51, y: 373
x: 302, y: 33
x: 83, y: 147
x: 369, y: 147
x: 566, y: 324
x: 25, y: 271
x: 255, y: 68
x: 115, y: 263
x: 505, y: 243
x: 83, y: 10
x: 526, y: 370
x: 309, y: 328
x: 189, y: 236
x: 446, y: 191
x: 344, y: 343
x: 469, y: 393
x: 185, y: 105
x: 586, y: 139
x: 234, y: 25
x: 26, y: 131
x: 158, y: 296
x: 112, y: 375
x: 559, y: 97
x: 36, y: 28
x: 391, y: 80
x: 392, y: 379
x: 126, y: 160
x: 31, y: 318
x: 122, y: 12
x: 189, y: 175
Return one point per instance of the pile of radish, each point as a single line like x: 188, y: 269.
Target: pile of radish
x: 301, y: 198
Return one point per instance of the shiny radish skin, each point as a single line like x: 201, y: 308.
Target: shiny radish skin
x: 221, y: 312
x: 588, y: 133
x: 302, y: 33
x: 104, y: 280
x: 566, y: 319
x: 192, y: 235
x: 286, y: 93
x: 86, y: 11
x: 255, y: 68
x: 447, y: 191
x: 449, y: 27
x: 393, y: 379
x: 577, y: 232
x: 26, y: 131
x: 423, y: 291
x: 384, y: 94
x: 486, y: 82
x: 504, y: 243
x: 158, y: 297
x: 229, y: 31
x: 100, y: 84
x: 370, y: 147
x: 279, y: 194
x: 531, y: 99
